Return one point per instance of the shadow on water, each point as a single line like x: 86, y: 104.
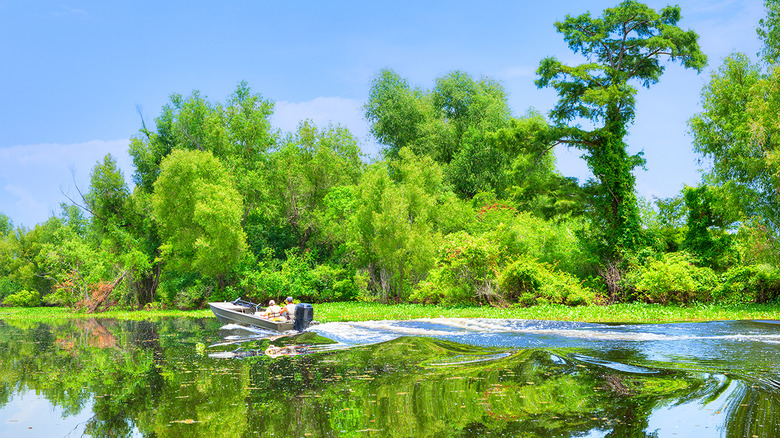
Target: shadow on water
x: 423, y: 378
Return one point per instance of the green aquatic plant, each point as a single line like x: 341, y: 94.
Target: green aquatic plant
x: 366, y: 311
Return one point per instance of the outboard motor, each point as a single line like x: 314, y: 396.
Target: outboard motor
x: 304, y: 314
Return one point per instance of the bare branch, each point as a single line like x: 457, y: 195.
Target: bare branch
x: 192, y: 139
x: 143, y: 123
x: 83, y: 206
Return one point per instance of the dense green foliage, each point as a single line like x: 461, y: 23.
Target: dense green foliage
x: 465, y: 125
x: 738, y: 130
x: 465, y: 206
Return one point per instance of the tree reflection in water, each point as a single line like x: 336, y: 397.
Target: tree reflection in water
x: 149, y: 379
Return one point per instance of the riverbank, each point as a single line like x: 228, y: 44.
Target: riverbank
x: 356, y: 311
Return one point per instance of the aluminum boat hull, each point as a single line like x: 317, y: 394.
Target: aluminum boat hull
x: 230, y: 313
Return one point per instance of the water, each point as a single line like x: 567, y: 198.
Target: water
x: 422, y: 378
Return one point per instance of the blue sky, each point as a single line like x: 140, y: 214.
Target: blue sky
x: 74, y: 74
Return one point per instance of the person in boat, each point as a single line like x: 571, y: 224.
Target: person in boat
x: 272, y: 311
x: 289, y: 309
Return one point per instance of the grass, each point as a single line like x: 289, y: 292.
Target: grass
x: 359, y: 311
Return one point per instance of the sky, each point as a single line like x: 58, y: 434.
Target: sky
x: 77, y: 77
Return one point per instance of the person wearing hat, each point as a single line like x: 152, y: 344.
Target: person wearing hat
x: 289, y: 309
x: 273, y: 311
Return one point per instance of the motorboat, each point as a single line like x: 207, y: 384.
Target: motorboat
x: 247, y: 313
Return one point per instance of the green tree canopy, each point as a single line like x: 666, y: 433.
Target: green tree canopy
x: 709, y: 221
x: 238, y: 133
x: 465, y: 125
x: 515, y: 163
x: 433, y: 122
x: 403, y: 208
x: 310, y: 164
x: 198, y: 210
x: 108, y: 194
x: 6, y: 225
x: 120, y: 226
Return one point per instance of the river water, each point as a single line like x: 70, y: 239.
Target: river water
x: 420, y: 378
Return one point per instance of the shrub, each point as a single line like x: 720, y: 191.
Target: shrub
x: 298, y: 276
x: 184, y: 291
x: 476, y: 269
x: 8, y: 287
x: 262, y: 284
x: 332, y: 283
x: 551, y: 242
x: 672, y: 278
x: 465, y: 274
x: 530, y: 281
x: 193, y: 297
x: 749, y: 284
x: 227, y: 293
x: 24, y: 298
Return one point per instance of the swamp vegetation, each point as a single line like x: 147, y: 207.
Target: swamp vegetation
x: 638, y: 313
x: 463, y: 286
x: 464, y: 207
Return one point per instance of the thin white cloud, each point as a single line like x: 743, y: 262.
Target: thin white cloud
x: 323, y: 111
x: 711, y: 6
x: 25, y: 201
x: 725, y: 26
x: 33, y: 178
x: 69, y: 11
x: 518, y: 71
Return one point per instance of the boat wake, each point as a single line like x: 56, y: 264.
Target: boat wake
x: 533, y: 333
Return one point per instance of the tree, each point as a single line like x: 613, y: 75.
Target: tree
x: 310, y: 164
x: 433, y: 122
x: 462, y: 103
x: 74, y: 265
x: 397, y: 113
x: 6, y: 225
x: 515, y: 163
x: 738, y: 128
x: 238, y: 133
x: 402, y: 208
x: 769, y: 31
x: 24, y: 260
x: 465, y: 125
x: 626, y: 44
x: 708, y: 223
x: 198, y: 210
x: 54, y: 254
x: 119, y: 228
x: 663, y: 222
x: 107, y: 197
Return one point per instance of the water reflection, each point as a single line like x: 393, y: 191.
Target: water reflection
x: 424, y: 378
